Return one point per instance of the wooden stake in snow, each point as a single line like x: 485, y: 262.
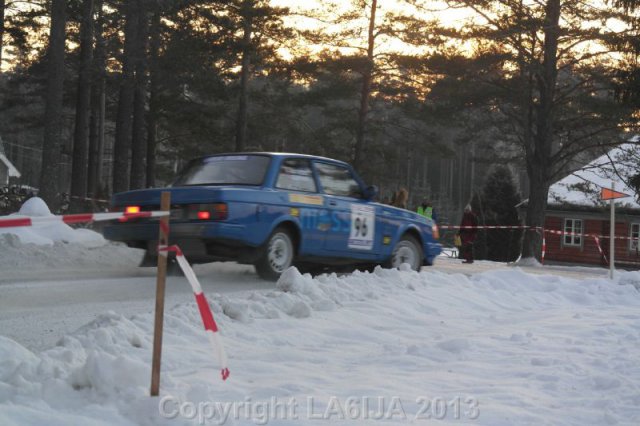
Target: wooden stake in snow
x: 163, y: 240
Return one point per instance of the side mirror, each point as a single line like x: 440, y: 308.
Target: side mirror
x: 370, y: 192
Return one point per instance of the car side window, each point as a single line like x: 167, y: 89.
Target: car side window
x: 296, y: 175
x: 337, y: 180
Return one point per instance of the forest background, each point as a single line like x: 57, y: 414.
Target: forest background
x: 102, y: 96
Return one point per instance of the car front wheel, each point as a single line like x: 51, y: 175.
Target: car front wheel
x: 277, y: 256
x: 407, y: 250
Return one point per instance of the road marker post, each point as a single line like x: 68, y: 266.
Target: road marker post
x: 163, y: 240
x: 612, y: 195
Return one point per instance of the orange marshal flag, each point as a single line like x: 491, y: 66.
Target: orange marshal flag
x: 608, y: 194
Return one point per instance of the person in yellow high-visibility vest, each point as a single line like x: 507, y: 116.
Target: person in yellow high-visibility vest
x: 426, y: 209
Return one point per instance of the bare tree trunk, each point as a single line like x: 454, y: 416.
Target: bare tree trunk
x: 50, y: 171
x: 241, y: 122
x: 124, y: 119
x: 96, y: 132
x: 539, y: 151
x: 2, y: 6
x: 152, y: 118
x: 83, y: 101
x: 138, y: 142
x: 365, y: 93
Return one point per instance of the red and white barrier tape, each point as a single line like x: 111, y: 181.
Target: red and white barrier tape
x: 18, y: 221
x: 210, y: 326
x: 534, y: 228
x: 486, y: 227
x: 597, y: 240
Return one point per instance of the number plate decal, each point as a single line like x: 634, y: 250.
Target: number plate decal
x: 363, y: 221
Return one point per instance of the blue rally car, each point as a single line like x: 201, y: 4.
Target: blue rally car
x: 274, y: 210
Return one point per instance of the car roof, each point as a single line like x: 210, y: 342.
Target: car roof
x: 278, y: 154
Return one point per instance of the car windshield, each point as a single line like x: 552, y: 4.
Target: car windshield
x: 225, y: 170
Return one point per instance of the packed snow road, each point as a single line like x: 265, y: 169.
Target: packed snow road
x: 38, y: 306
x: 42, y: 306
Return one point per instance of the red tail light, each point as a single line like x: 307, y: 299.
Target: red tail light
x: 216, y: 211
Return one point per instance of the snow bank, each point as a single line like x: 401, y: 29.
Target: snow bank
x: 496, y: 348
x: 45, y: 246
x: 51, y: 233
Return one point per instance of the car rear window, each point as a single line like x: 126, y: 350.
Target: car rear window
x: 225, y: 170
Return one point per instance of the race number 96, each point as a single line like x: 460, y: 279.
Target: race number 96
x: 362, y: 232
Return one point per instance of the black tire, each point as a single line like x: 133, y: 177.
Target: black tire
x: 407, y: 250
x: 149, y: 260
x: 277, y: 255
x: 310, y: 268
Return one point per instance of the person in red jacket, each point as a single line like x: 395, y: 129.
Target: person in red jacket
x: 468, y: 233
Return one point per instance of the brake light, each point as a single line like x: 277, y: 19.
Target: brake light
x: 132, y: 209
x: 214, y: 211
x: 435, y: 232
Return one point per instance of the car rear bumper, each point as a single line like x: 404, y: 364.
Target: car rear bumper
x: 149, y: 231
x: 200, y: 242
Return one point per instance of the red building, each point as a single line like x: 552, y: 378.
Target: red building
x: 580, y: 219
x: 582, y: 226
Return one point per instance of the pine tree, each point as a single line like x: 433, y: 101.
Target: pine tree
x: 52, y: 144
x: 124, y: 120
x: 500, y: 199
x: 98, y: 106
x: 79, y: 168
x: 2, y: 9
x: 138, y: 140
x: 536, y: 84
x: 260, y: 32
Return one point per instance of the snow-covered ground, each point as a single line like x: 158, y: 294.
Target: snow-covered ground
x: 454, y: 344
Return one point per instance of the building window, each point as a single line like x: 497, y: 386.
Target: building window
x: 573, y: 232
x: 634, y: 234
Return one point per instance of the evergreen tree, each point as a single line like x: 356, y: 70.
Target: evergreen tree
x: 500, y: 199
x: 124, y: 120
x: 138, y: 140
x: 2, y: 11
x: 50, y: 172
x: 538, y: 85
x: 83, y: 112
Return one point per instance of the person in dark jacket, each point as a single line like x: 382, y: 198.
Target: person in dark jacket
x: 468, y: 233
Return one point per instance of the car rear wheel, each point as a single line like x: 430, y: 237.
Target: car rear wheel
x: 407, y: 250
x: 277, y: 256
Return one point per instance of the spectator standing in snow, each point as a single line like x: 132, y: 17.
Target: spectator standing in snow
x: 468, y: 232
x: 426, y: 209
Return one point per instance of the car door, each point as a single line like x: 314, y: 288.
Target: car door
x: 353, y: 220
x: 302, y: 200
